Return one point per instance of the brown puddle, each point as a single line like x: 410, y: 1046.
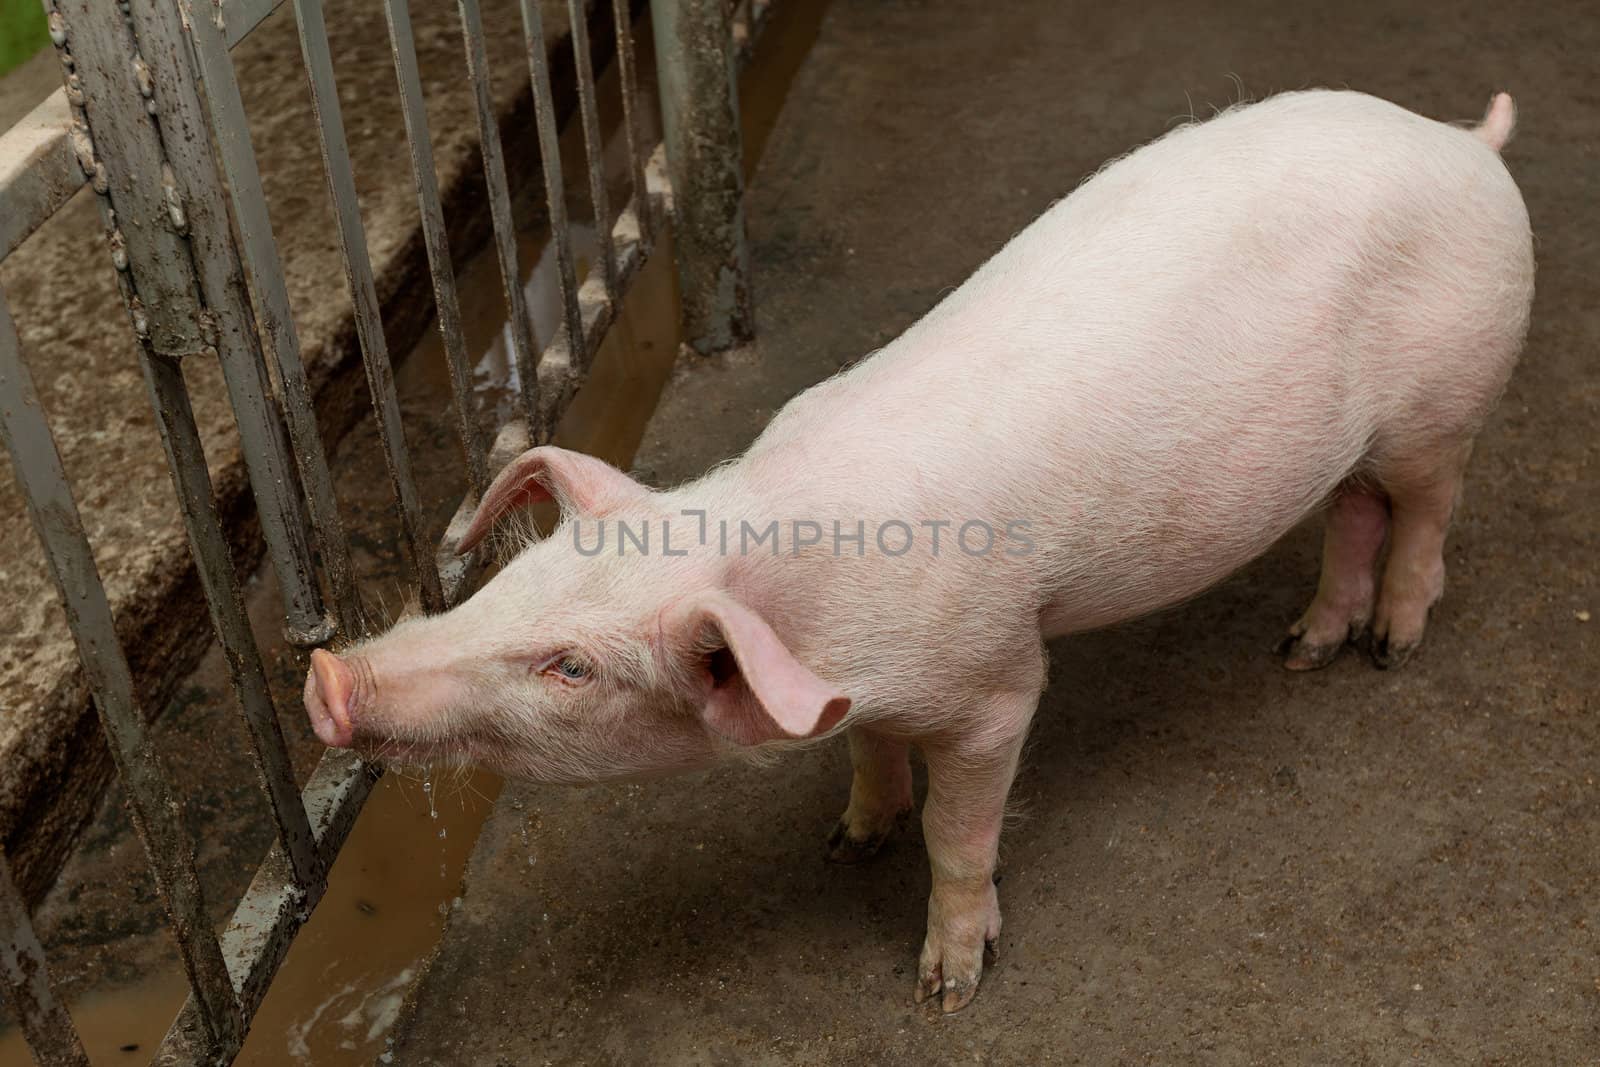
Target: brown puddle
x: 342, y: 987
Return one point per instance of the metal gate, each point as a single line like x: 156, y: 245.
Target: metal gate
x: 151, y: 116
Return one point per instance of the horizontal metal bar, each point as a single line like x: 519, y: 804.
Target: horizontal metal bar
x: 39, y: 168
x: 447, y: 305
x: 524, y: 353
x: 273, y: 909
x: 364, y: 294
x: 25, y: 979
x: 230, y: 137
x: 39, y: 171
x: 36, y: 464
x: 237, y: 18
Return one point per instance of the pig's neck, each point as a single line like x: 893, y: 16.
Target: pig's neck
x: 833, y: 610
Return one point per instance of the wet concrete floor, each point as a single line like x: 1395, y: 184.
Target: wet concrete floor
x: 1211, y: 860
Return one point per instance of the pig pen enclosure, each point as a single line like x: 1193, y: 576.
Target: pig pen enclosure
x: 1210, y: 859
x: 152, y: 119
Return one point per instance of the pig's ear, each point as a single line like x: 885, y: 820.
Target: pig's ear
x: 578, y: 483
x: 754, y: 689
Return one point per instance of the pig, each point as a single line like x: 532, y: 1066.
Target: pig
x: 1305, y: 304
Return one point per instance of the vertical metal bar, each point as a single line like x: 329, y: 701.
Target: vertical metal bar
x: 525, y: 354
x: 628, y: 83
x: 544, y: 110
x: 175, y: 420
x: 155, y: 274
x: 433, y: 232
x: 178, y: 249
x: 25, y: 978
x: 38, y: 470
x: 230, y: 139
x: 228, y: 329
x: 593, y: 144
x: 364, y: 294
x: 700, y: 120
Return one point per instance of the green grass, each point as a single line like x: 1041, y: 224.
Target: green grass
x: 22, y: 31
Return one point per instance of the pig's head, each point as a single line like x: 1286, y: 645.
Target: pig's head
x: 572, y: 665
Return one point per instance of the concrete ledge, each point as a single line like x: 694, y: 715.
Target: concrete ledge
x: 61, y: 288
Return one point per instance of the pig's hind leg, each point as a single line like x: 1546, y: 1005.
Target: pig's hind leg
x: 1357, y: 523
x: 880, y: 793
x: 1423, y: 490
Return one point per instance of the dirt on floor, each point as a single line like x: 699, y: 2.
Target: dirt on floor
x: 1211, y: 859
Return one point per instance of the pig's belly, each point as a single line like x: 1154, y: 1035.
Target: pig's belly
x: 1180, y: 536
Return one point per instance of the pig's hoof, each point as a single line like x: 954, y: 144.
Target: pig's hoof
x: 1300, y: 654
x: 842, y: 848
x: 952, y: 994
x: 1389, y: 655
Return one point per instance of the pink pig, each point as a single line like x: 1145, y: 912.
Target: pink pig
x: 1309, y: 303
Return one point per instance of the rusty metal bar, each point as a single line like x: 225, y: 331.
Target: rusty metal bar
x: 559, y: 376
x: 695, y: 69
x: 448, y: 307
x: 273, y: 908
x: 39, y: 168
x: 525, y: 354
x: 175, y: 420
x: 544, y: 109
x: 593, y: 148
x: 156, y: 276
x: 229, y: 135
x: 364, y: 295
x: 628, y: 86
x: 39, y: 473
x: 196, y: 208
x: 25, y: 978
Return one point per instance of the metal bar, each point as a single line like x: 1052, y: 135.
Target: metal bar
x: 364, y: 295
x: 273, y: 909
x: 525, y: 354
x: 434, y: 235
x: 238, y: 17
x: 700, y: 121
x: 230, y: 138
x: 43, y: 481
x: 593, y: 146
x: 197, y: 208
x: 25, y: 978
x: 175, y: 419
x: 39, y: 171
x: 155, y: 274
x: 628, y: 84
x: 39, y: 168
x: 544, y: 110
x: 560, y: 380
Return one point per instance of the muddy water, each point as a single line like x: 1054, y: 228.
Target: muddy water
x: 344, y: 982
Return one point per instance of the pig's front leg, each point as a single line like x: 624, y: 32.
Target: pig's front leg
x: 880, y: 792
x: 968, y: 778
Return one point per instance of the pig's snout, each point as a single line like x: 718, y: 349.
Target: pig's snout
x: 331, y: 698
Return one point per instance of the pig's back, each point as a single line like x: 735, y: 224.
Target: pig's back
x: 1174, y: 365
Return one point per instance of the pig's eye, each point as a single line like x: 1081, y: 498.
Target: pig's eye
x: 567, y: 668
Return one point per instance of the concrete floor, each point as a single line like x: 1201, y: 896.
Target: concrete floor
x: 1212, y: 860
